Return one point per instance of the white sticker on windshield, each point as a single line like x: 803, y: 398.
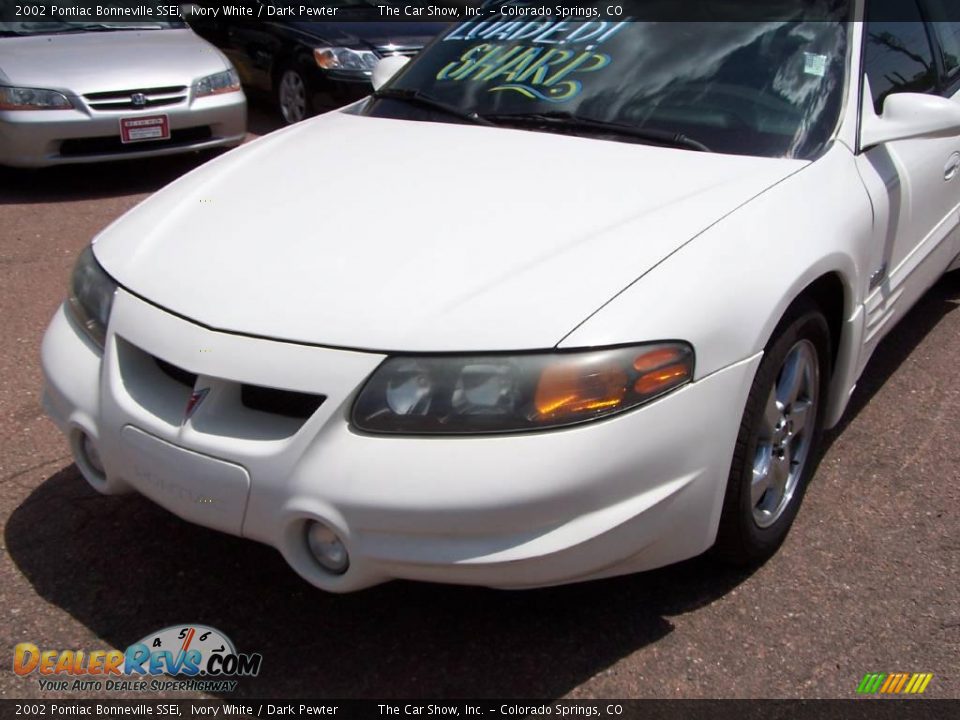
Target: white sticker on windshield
x: 814, y: 64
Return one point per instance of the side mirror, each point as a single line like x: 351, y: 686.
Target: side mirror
x: 386, y: 68
x: 906, y: 116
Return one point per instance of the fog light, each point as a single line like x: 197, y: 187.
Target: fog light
x: 91, y: 454
x: 327, y: 548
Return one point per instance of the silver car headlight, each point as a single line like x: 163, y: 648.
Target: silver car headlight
x: 514, y: 393
x: 91, y: 296
x: 217, y: 84
x: 21, y: 98
x: 342, y: 58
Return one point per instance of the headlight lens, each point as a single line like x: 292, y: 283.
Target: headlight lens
x: 216, y: 84
x: 19, y: 98
x: 91, y: 296
x: 341, y: 58
x: 501, y: 393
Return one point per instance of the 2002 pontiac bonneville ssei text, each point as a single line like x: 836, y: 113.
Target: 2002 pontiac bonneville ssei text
x: 596, y: 325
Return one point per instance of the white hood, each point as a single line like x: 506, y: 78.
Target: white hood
x: 396, y: 235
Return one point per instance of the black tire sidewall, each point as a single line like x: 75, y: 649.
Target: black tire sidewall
x: 741, y: 539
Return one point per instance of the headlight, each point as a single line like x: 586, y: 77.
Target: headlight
x: 221, y: 82
x: 341, y: 58
x: 512, y: 393
x: 91, y: 296
x: 18, y: 98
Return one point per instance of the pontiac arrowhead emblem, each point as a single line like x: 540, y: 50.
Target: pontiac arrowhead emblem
x: 196, y: 397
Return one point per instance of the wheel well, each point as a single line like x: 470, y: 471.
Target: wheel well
x: 828, y: 293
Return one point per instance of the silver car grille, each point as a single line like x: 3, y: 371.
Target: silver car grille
x: 136, y: 99
x: 405, y: 50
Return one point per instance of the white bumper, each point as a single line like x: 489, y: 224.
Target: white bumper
x: 630, y: 493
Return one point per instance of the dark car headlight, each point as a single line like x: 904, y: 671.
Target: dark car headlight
x: 512, y: 393
x: 91, y: 296
x: 343, y: 58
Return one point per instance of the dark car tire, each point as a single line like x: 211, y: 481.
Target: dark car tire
x: 293, y: 95
x: 781, y: 432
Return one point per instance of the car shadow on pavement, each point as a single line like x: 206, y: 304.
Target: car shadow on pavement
x: 101, y: 180
x: 117, y: 178
x: 123, y: 567
x: 942, y: 299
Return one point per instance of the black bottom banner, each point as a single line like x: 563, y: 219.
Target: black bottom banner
x: 879, y: 709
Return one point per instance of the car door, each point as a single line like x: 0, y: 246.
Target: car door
x: 914, y: 184
x: 945, y: 23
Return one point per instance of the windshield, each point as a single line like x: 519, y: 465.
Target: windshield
x: 752, y: 88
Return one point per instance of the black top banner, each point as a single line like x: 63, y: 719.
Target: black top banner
x: 446, y: 11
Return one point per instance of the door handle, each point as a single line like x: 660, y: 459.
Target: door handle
x: 952, y: 167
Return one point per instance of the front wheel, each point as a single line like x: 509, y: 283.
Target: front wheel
x: 293, y: 96
x: 779, y: 441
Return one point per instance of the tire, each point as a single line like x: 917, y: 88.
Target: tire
x: 293, y: 96
x: 779, y: 442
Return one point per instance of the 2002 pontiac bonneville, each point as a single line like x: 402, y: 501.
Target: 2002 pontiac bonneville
x: 559, y: 301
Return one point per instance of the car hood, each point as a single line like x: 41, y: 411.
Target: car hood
x: 102, y: 61
x: 399, y: 235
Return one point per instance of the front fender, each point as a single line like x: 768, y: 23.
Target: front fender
x: 726, y: 291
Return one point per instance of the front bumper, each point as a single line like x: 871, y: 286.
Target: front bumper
x: 630, y: 493
x: 40, y: 138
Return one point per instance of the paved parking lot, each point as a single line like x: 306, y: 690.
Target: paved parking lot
x: 867, y: 582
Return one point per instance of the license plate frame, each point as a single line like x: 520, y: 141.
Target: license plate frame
x: 144, y: 128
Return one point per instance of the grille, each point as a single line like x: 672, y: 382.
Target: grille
x: 255, y: 397
x: 124, y: 99
x: 112, y: 144
x: 280, y: 402
x: 179, y: 374
x: 405, y: 50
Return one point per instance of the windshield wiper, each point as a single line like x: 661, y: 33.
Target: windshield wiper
x: 417, y: 97
x: 569, y: 121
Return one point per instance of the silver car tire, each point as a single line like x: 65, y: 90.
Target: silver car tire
x: 779, y: 441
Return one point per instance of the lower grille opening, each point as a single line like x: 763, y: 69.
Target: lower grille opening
x: 112, y: 144
x: 179, y: 374
x: 280, y: 402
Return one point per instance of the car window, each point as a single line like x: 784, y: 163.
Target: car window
x: 752, y: 88
x: 898, y: 56
x: 948, y: 36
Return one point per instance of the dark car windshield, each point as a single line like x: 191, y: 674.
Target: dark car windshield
x: 769, y: 88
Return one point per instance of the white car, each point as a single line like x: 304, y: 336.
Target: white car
x: 558, y: 302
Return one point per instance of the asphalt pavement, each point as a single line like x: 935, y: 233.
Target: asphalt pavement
x: 867, y: 581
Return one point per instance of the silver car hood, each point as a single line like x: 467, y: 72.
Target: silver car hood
x: 88, y: 62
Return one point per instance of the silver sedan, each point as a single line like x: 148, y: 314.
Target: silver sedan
x: 88, y: 92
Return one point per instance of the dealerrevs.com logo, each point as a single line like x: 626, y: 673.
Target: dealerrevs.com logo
x: 199, y: 658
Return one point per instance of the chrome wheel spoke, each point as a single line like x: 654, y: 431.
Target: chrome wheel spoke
x: 791, y: 378
x: 760, y: 482
x: 771, y: 416
x: 780, y: 469
x: 800, y: 415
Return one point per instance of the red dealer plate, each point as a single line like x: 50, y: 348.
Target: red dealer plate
x: 149, y: 127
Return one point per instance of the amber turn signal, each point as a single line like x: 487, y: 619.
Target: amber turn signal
x: 574, y: 389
